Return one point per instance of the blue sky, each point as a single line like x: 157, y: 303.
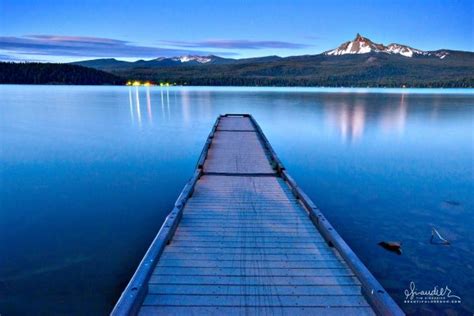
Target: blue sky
x: 75, y: 30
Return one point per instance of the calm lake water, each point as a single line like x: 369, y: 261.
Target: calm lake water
x: 88, y: 174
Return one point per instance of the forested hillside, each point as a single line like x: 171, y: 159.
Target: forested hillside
x: 49, y: 73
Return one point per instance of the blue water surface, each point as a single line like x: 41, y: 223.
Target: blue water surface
x: 88, y: 175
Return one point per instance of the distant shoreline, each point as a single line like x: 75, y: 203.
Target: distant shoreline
x: 241, y: 86
x: 361, y: 90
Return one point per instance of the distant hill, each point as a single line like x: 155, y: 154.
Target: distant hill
x: 108, y: 64
x: 49, y: 73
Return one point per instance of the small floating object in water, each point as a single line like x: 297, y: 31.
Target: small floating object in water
x: 452, y: 202
x: 394, y: 246
x: 436, y: 238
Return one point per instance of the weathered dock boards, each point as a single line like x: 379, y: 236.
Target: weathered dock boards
x: 243, y: 239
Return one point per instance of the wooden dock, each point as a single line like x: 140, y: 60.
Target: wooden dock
x: 243, y: 239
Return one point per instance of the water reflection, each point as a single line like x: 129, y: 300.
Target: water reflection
x: 134, y: 105
x: 131, y: 104
x: 139, y: 115
x: 185, y: 105
x: 168, y: 101
x: 348, y: 119
x: 351, y: 119
x: 162, y: 103
x: 394, y: 119
x: 148, y: 104
x: 165, y: 104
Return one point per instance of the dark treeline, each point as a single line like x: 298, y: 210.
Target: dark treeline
x: 294, y: 82
x: 49, y: 73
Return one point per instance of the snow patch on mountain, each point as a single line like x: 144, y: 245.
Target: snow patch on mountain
x: 188, y: 58
x: 400, y: 49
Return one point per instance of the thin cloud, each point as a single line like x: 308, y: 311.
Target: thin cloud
x: 77, y: 39
x: 83, y: 46
x: 313, y: 37
x: 9, y: 58
x: 236, y: 44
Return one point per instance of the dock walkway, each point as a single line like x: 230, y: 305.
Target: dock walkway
x: 243, y: 239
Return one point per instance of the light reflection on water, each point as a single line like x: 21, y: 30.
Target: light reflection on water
x: 89, y: 174
x: 347, y: 118
x: 148, y: 104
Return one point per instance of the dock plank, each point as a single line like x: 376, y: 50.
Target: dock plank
x: 235, y: 124
x: 249, y: 257
x: 235, y: 263
x: 256, y: 300
x: 190, y: 289
x: 253, y: 280
x: 237, y: 153
x: 252, y: 272
x: 253, y: 310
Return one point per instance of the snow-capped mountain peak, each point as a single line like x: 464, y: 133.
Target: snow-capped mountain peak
x: 363, y: 45
x: 360, y: 45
